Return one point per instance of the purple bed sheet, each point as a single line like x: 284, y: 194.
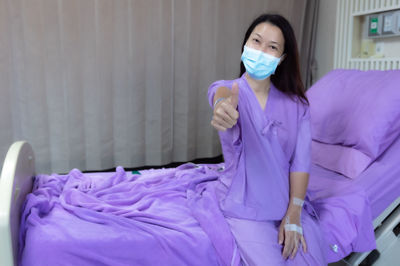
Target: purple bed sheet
x: 347, y: 207
x: 116, y: 219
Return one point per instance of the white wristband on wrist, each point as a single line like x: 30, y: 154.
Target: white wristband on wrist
x: 298, y: 202
x: 217, y: 101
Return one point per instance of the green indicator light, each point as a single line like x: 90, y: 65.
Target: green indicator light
x: 373, y: 26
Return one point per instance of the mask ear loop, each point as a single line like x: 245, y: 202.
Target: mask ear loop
x: 283, y: 56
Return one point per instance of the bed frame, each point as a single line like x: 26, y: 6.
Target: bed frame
x: 16, y: 182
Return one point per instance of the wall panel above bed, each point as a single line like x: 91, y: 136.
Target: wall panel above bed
x: 355, y: 46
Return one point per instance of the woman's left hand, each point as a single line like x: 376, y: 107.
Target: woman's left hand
x: 290, y: 238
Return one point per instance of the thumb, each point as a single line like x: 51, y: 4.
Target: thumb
x: 281, y: 235
x: 304, y: 244
x: 234, y: 99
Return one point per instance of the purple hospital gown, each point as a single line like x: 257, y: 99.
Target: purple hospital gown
x: 260, y: 151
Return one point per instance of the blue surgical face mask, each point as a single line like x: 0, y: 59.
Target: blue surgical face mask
x: 259, y: 65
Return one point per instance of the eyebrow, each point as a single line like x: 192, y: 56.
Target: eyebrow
x: 258, y: 35
x: 275, y: 42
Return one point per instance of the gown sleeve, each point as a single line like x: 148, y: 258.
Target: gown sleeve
x: 213, y: 89
x: 231, y: 138
x: 301, y: 157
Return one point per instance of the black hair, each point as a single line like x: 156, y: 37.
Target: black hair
x: 287, y: 76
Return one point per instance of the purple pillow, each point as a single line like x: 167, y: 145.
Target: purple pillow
x: 355, y: 116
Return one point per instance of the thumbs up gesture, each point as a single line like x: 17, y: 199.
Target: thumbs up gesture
x: 225, y: 114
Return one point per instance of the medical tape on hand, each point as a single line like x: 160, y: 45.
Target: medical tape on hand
x: 294, y: 227
x: 298, y: 202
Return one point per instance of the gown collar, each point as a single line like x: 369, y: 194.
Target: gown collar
x: 265, y: 117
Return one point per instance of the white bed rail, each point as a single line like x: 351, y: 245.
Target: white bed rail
x: 15, y: 183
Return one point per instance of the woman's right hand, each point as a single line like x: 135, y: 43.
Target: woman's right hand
x: 225, y: 114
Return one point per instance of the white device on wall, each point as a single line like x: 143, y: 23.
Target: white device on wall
x: 384, y: 24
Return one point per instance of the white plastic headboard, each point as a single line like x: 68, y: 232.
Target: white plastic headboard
x: 15, y: 183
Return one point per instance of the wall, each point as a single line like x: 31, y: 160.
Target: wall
x: 352, y: 51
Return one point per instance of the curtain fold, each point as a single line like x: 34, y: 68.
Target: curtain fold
x: 308, y: 42
x: 97, y: 83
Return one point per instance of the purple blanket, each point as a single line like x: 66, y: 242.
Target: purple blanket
x: 121, y: 219
x: 170, y: 216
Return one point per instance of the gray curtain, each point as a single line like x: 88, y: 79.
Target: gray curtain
x: 93, y: 84
x: 307, y: 43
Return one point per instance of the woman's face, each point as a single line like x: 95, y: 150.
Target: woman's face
x: 268, y: 39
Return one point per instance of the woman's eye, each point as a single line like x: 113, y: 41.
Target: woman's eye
x: 274, y: 48
x: 256, y: 40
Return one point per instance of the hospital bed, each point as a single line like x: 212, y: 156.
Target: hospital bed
x: 355, y: 124
x: 379, y: 185
x: 16, y: 183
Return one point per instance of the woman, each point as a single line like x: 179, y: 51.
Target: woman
x: 264, y: 124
